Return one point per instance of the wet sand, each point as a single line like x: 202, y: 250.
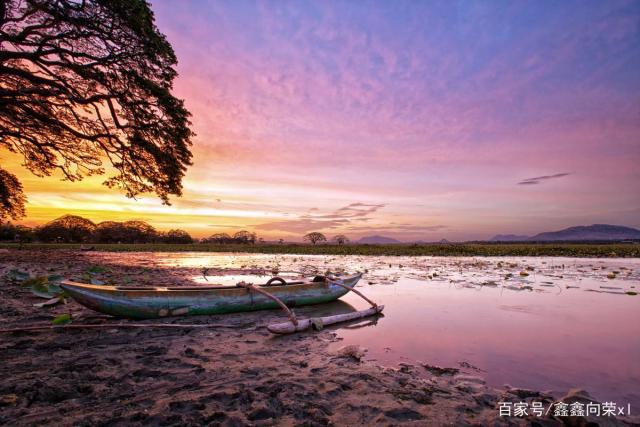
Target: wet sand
x: 235, y: 373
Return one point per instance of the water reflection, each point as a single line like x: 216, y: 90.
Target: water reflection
x: 549, y: 340
x: 362, y: 323
x: 544, y: 323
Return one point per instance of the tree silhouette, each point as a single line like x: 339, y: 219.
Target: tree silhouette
x: 12, y: 233
x: 139, y: 232
x: 177, y: 236
x: 244, y: 237
x: 11, y: 196
x: 84, y: 83
x: 218, y: 238
x: 110, y: 232
x: 341, y: 239
x: 125, y: 232
x: 66, y: 229
x: 314, y: 237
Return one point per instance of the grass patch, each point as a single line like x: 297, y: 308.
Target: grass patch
x: 624, y: 250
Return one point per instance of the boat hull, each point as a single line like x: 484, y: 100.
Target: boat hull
x: 149, y: 303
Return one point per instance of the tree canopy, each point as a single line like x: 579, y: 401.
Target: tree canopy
x: 66, y: 229
x: 341, y: 239
x: 177, y: 236
x: 84, y: 83
x: 244, y: 236
x: 15, y: 233
x: 218, y: 238
x: 125, y: 232
x: 11, y: 196
x: 75, y: 229
x: 314, y: 237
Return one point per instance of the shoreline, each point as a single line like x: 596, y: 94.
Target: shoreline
x: 562, y: 249
x: 238, y: 374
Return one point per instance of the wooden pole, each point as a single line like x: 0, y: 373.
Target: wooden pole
x: 304, y: 324
x: 355, y: 291
x: 251, y: 287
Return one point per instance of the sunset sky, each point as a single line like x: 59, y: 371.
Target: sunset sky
x: 413, y: 120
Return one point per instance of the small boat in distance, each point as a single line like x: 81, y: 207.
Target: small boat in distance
x: 148, y: 303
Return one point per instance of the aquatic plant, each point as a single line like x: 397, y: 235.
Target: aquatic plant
x: 63, y: 319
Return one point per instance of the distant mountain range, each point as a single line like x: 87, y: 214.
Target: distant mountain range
x: 378, y: 240
x: 584, y: 232
x: 593, y: 232
x: 509, y: 238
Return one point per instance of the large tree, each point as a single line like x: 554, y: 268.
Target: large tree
x: 11, y: 196
x: 341, y: 239
x: 177, y: 236
x: 66, y: 229
x: 125, y: 232
x: 218, y: 238
x: 314, y: 237
x: 244, y: 236
x: 84, y: 83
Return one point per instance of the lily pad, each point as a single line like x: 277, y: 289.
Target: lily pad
x: 49, y: 303
x: 63, y: 319
x: 16, y: 275
x: 35, y: 281
x: 94, y: 269
x: 42, y: 288
x: 55, y: 278
x: 490, y: 283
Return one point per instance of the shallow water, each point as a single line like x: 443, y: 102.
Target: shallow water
x: 562, y: 323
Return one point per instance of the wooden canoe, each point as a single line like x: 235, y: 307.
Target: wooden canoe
x: 147, y: 303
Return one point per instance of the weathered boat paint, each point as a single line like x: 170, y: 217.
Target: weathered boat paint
x: 149, y: 303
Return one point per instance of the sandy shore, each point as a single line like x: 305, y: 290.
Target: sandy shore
x: 234, y: 373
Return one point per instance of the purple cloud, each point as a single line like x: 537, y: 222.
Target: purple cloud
x: 341, y: 217
x: 538, y: 179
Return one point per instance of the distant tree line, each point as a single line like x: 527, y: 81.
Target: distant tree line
x: 316, y: 237
x: 244, y: 237
x: 76, y: 229
x: 15, y: 233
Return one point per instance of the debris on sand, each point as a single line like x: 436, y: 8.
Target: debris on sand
x: 8, y: 400
x: 438, y: 370
x: 467, y: 365
x: 524, y: 393
x: 353, y: 351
